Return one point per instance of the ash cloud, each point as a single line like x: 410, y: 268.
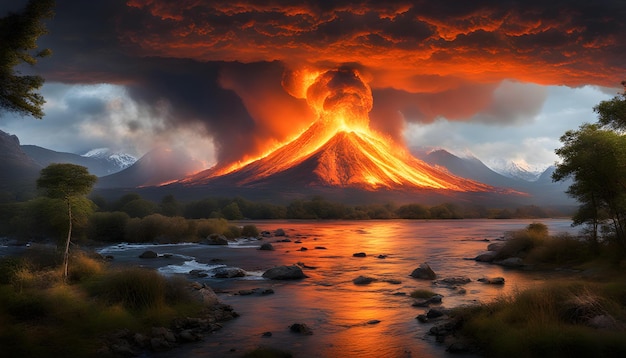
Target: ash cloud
x: 218, y: 68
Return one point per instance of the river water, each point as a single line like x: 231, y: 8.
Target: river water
x: 340, y: 313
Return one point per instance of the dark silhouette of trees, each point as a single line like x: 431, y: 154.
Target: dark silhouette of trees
x: 18, y: 38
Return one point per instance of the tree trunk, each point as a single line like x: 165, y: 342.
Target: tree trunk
x: 66, y: 254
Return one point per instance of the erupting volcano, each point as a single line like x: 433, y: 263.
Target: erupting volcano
x: 338, y: 149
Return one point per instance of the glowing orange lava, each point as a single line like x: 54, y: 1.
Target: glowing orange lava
x: 341, y: 149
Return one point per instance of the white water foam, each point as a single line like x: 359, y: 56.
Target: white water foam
x: 186, y: 267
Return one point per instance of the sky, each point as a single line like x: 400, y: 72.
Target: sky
x: 497, y: 79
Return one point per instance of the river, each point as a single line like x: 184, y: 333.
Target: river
x: 340, y: 313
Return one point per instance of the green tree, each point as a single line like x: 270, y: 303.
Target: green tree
x: 612, y: 113
x: 595, y: 159
x: 67, y: 182
x: 18, y: 37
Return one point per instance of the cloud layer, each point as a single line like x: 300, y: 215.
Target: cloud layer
x: 222, y: 69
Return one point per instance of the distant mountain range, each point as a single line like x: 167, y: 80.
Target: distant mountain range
x: 100, y: 162
x: 20, y: 166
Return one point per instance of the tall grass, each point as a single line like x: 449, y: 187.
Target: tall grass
x: 549, y: 321
x: 40, y: 315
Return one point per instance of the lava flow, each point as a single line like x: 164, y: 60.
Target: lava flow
x: 339, y: 149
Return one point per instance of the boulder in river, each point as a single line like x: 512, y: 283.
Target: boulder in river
x: 363, y: 280
x: 292, y: 272
x: 229, y: 272
x: 488, y: 256
x: 359, y: 254
x: 510, y: 262
x: 279, y: 232
x: 148, y: 255
x: 216, y: 239
x: 424, y: 272
x: 267, y: 247
x: 492, y: 280
x: 301, y: 328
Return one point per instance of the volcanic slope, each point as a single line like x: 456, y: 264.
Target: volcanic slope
x: 323, y: 157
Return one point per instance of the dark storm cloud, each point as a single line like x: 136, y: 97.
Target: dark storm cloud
x: 219, y: 64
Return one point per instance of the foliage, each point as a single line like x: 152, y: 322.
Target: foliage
x: 595, y: 159
x: 249, y: 231
x: 18, y: 35
x: 41, y: 317
x: 546, y: 321
x: 67, y: 182
x: 612, y: 113
x: 105, y: 226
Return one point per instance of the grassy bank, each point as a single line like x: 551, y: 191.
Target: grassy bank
x: 42, y: 316
x: 581, y: 316
x: 561, y: 319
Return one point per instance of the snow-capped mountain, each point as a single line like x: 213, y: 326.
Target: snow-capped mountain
x: 120, y: 160
x: 516, y: 169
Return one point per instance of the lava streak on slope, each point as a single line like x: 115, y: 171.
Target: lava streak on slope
x: 339, y: 149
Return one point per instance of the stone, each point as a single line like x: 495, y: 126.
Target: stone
x: 495, y: 246
x: 381, y: 256
x: 279, y: 232
x: 359, y: 254
x: 492, y: 280
x: 188, y: 336
x: 363, y: 280
x: 455, y: 280
x: 488, y: 256
x: 510, y: 262
x: 148, y: 255
x: 302, y: 249
x: 424, y: 272
x: 292, y: 272
x: 434, y: 313
x: 301, y: 328
x: 267, y: 247
x: 373, y: 321
x: 320, y: 248
x: 229, y: 272
x: 266, y: 334
x: 216, y: 239
x: 198, y: 273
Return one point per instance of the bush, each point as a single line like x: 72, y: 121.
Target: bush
x: 206, y: 227
x: 135, y: 289
x: 249, y: 231
x: 109, y: 227
x: 83, y: 267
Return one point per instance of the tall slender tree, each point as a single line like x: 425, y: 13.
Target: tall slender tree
x: 66, y: 182
x: 18, y: 40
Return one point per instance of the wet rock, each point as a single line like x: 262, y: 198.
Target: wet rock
x: 302, y: 249
x: 434, y: 313
x: 216, y: 239
x: 492, y: 280
x: 373, y: 321
x: 359, y: 254
x: 510, y: 262
x: 488, y: 256
x: 496, y: 246
x: 206, y: 296
x: 381, y: 256
x: 198, y: 273
x: 188, y: 335
x: 148, y: 255
x: 279, y: 232
x: 301, y: 328
x: 393, y: 281
x: 424, y: 272
x: 363, y: 280
x: 245, y: 292
x: 267, y: 291
x: 455, y: 280
x: 292, y: 272
x: 297, y: 242
x: 267, y: 247
x: 320, y: 248
x: 266, y: 334
x: 304, y: 266
x: 266, y: 233
x: 436, y: 299
x: 229, y: 272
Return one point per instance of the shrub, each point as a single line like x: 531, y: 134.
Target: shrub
x: 249, y: 231
x: 83, y: 267
x: 134, y: 288
x: 206, y: 227
x: 107, y: 226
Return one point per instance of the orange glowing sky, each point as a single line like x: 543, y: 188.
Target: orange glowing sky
x: 225, y: 78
